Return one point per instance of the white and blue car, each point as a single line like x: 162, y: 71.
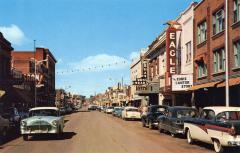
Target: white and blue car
x: 42, y: 120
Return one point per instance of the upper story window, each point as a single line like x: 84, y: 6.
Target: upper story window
x: 218, y: 21
x: 188, y: 52
x: 219, y: 60
x: 202, y: 32
x: 236, y: 11
x: 202, y: 69
x: 236, y: 48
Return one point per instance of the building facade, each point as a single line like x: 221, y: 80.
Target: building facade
x: 5, y: 70
x: 24, y: 61
x: 209, y: 52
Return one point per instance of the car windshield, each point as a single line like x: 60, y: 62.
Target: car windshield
x: 43, y: 112
x: 110, y: 107
x: 132, y: 110
x: 229, y: 116
x: 186, y: 113
x: 158, y: 109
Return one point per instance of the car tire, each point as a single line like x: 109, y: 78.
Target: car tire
x: 60, y: 133
x: 143, y: 123
x: 217, y: 146
x: 189, y: 137
x: 3, y: 135
x: 159, y: 128
x: 173, y: 134
x: 25, y: 137
x: 150, y: 126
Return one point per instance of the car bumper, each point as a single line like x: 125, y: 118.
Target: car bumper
x: 133, y: 117
x: 41, y: 131
x: 230, y: 141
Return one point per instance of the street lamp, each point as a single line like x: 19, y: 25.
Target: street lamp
x: 35, y: 74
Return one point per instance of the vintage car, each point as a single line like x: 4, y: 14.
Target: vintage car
x: 115, y: 110
x: 131, y: 113
x: 218, y: 125
x: 109, y: 110
x: 42, y: 120
x: 4, y: 127
x: 153, y: 112
x: 173, y: 120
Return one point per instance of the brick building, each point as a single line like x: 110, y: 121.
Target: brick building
x: 45, y: 72
x: 5, y: 69
x: 209, y: 52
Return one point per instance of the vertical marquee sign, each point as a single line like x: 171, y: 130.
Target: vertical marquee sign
x: 170, y: 53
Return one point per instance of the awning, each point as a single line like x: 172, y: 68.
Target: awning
x: 232, y: 82
x: 205, y: 85
x: 2, y: 92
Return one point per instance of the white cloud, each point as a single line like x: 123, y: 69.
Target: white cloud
x: 134, y: 55
x: 101, y: 62
x: 13, y: 34
x: 97, y: 63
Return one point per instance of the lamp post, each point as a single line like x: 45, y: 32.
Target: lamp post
x: 35, y: 72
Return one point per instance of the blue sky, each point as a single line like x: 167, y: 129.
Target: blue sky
x: 86, y: 36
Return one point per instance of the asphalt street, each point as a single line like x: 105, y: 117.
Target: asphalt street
x: 96, y: 132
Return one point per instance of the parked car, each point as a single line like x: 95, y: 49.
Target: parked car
x: 92, y: 107
x: 173, y: 120
x: 4, y: 127
x: 114, y: 113
x: 42, y: 120
x: 153, y: 112
x: 131, y: 113
x: 219, y: 126
x: 109, y: 110
x: 119, y: 112
x: 13, y: 116
x: 62, y: 110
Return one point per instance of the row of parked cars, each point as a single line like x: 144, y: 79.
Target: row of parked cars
x: 218, y: 125
x: 126, y: 113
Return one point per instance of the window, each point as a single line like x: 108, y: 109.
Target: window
x: 218, y: 21
x: 207, y: 114
x: 202, y: 69
x: 219, y: 60
x: 202, y: 32
x: 188, y: 52
x: 236, y: 47
x: 236, y: 11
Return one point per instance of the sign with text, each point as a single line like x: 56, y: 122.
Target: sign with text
x: 181, y: 82
x: 171, y: 50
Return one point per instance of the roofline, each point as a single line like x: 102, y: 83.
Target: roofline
x: 198, y: 4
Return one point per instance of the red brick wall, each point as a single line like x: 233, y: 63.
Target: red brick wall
x: 204, y: 11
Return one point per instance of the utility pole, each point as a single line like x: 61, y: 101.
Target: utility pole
x: 35, y: 72
x: 226, y: 55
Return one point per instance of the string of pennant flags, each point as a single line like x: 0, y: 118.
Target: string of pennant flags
x: 93, y: 68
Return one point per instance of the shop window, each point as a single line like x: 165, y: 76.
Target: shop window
x: 236, y: 47
x: 236, y: 11
x: 188, y: 52
x: 218, y: 21
x: 219, y: 60
x: 202, y: 69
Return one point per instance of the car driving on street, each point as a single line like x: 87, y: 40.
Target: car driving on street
x: 42, y: 120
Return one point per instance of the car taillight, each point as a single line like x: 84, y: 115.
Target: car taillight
x: 232, y: 131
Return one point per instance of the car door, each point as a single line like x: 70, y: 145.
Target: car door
x: 164, y: 119
x: 199, y: 131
